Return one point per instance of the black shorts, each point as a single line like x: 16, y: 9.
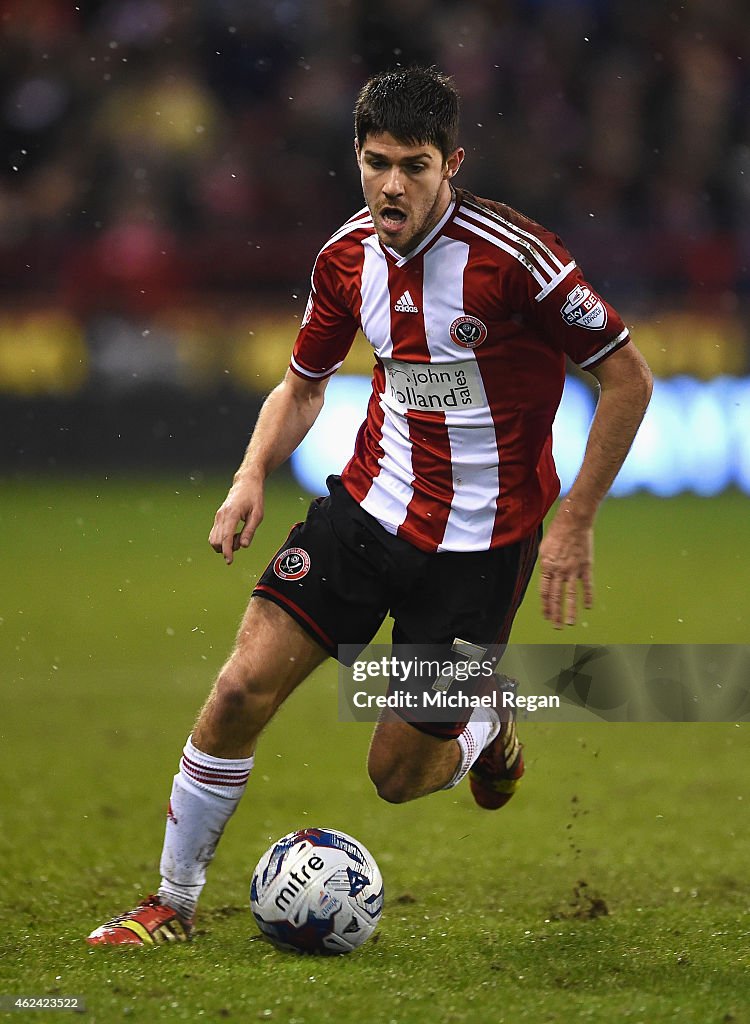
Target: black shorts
x: 339, y: 573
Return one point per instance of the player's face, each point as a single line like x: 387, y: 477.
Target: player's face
x: 407, y: 188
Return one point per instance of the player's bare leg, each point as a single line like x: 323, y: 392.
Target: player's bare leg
x: 405, y: 763
x: 271, y: 657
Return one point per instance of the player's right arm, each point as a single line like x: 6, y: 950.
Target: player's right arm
x: 325, y: 336
x: 285, y: 419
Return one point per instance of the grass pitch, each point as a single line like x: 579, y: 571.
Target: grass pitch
x: 612, y: 888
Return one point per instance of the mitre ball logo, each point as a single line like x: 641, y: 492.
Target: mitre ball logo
x: 468, y: 331
x: 292, y: 564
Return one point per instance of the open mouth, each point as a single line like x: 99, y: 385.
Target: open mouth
x: 392, y: 218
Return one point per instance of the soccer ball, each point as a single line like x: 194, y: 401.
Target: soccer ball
x: 317, y: 891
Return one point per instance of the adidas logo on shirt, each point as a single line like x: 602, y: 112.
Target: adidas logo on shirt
x: 406, y: 304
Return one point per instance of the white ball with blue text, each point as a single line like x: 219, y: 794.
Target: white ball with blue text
x: 317, y: 891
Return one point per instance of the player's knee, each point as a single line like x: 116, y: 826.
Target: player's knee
x: 392, y: 783
x: 238, y: 695
x: 394, y: 791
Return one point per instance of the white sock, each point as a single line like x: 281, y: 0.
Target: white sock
x: 480, y: 731
x: 205, y: 794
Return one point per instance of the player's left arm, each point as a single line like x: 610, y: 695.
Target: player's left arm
x: 566, y: 554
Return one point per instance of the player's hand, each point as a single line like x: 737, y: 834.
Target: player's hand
x: 243, y: 507
x: 566, y: 555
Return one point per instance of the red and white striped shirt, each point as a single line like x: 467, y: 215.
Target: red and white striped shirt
x: 470, y: 331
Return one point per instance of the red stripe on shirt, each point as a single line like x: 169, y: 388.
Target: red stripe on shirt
x: 430, y: 505
x: 364, y: 465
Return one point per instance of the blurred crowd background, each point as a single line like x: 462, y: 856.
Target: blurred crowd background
x: 170, y: 169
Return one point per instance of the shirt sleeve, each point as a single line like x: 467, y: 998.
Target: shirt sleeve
x: 567, y: 310
x: 327, y: 330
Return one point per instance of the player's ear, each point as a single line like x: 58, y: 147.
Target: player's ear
x: 357, y: 152
x: 453, y: 162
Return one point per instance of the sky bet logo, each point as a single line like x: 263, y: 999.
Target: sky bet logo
x: 584, y: 309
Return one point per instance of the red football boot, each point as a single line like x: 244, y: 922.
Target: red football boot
x: 496, y: 774
x: 151, y: 923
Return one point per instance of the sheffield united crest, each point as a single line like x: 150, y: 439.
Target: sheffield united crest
x: 468, y: 331
x: 292, y: 564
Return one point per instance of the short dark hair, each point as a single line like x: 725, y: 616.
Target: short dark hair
x: 415, y: 105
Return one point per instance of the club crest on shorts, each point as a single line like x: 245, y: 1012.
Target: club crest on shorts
x: 584, y: 308
x: 292, y: 564
x: 468, y: 331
